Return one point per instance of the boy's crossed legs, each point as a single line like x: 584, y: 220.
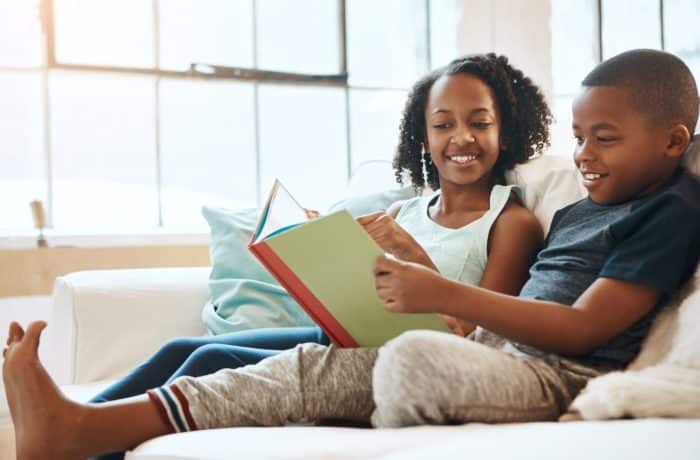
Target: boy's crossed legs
x: 420, y: 377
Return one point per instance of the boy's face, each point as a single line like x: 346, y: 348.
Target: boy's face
x: 619, y: 151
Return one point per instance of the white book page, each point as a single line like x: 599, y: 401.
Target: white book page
x: 282, y: 211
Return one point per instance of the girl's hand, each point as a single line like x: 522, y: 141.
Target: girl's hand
x: 407, y: 287
x: 311, y: 213
x: 390, y: 236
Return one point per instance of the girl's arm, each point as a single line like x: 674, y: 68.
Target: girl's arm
x: 392, y: 238
x: 604, y: 310
x: 515, y: 238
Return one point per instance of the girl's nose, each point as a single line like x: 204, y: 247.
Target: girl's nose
x: 462, y: 139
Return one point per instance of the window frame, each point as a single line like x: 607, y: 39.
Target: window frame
x: 197, y: 71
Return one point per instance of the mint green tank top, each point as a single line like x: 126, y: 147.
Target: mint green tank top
x: 458, y: 253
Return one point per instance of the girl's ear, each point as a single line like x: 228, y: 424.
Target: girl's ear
x: 678, y: 140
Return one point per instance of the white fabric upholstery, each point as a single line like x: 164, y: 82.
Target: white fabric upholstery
x: 105, y: 322
x: 637, y: 439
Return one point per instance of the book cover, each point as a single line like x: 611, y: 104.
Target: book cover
x: 326, y: 265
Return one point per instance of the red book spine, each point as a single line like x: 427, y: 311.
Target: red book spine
x: 304, y: 297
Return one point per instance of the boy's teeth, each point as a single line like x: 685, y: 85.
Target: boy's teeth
x: 591, y: 176
x: 463, y: 159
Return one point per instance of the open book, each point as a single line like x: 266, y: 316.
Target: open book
x: 326, y: 265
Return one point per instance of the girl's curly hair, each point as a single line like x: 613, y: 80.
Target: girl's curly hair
x: 525, y: 117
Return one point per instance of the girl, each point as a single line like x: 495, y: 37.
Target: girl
x: 481, y: 120
x: 463, y: 127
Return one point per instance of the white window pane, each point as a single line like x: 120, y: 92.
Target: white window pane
x: 386, y: 42
x: 630, y: 24
x: 20, y: 33
x: 105, y: 32
x: 207, y: 149
x: 218, y: 32
x: 299, y: 36
x: 562, y: 136
x: 444, y: 19
x: 303, y: 142
x: 374, y: 124
x: 574, y: 43
x: 681, y: 36
x: 22, y: 160
x: 103, y: 150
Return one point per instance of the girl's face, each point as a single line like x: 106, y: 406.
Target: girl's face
x: 462, y: 125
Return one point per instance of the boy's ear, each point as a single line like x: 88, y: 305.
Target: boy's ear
x: 678, y: 140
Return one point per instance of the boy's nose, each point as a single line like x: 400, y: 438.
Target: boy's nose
x: 583, y: 153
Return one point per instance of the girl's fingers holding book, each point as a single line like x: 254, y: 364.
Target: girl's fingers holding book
x: 385, y: 265
x: 367, y: 218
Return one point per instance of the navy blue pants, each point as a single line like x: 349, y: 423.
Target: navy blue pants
x: 195, y: 356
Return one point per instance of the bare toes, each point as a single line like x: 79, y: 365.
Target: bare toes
x: 33, y: 333
x: 15, y: 333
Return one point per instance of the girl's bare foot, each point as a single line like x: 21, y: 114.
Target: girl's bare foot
x: 46, y: 422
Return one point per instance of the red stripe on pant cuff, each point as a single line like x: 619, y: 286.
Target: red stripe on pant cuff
x: 184, y: 404
x: 162, y: 411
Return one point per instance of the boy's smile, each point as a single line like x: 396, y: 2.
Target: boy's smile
x: 620, y: 153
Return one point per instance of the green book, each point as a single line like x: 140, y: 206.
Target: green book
x: 326, y: 265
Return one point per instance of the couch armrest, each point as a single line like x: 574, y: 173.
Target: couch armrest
x: 104, y: 322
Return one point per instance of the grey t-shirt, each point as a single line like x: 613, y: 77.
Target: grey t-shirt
x: 654, y: 240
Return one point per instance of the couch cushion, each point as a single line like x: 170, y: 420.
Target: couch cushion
x: 633, y: 439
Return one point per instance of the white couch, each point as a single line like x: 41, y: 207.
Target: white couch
x: 106, y: 322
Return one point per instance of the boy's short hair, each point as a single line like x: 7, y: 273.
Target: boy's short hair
x: 660, y: 84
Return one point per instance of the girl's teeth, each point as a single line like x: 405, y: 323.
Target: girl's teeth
x: 463, y: 159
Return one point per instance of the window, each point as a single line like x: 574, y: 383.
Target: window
x: 106, y: 118
x: 584, y: 32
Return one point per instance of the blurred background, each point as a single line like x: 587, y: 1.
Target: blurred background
x: 126, y: 116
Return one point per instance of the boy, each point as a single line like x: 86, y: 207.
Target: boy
x: 609, y: 261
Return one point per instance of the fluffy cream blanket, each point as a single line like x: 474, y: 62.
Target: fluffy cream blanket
x: 664, y: 380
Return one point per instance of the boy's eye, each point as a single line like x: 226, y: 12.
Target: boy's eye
x: 579, y: 140
x: 606, y: 139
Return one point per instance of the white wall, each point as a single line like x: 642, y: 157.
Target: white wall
x: 518, y: 29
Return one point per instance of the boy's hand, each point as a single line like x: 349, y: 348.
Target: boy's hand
x: 407, y: 287
x: 389, y: 235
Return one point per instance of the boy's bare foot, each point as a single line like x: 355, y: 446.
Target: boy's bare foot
x: 45, y: 421
x: 571, y: 416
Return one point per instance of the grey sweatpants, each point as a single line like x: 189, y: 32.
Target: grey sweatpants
x: 420, y: 377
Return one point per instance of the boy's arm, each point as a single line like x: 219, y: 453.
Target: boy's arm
x: 603, y: 311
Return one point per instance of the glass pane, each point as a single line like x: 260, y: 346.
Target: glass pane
x: 630, y: 24
x: 216, y: 32
x: 105, y: 32
x: 299, y: 36
x: 574, y: 43
x: 207, y: 149
x: 20, y: 33
x: 22, y: 159
x: 374, y: 124
x: 303, y: 142
x: 444, y: 19
x: 387, y: 42
x: 561, y: 133
x: 104, y: 163
x: 680, y: 18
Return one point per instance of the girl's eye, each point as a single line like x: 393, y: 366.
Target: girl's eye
x: 481, y: 124
x: 441, y: 125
